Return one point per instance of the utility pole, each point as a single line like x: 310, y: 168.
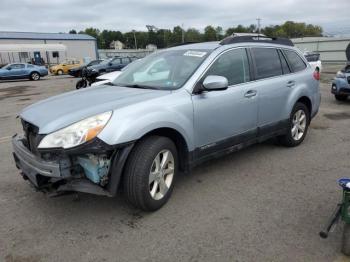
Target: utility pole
x: 183, y: 33
x: 259, y: 20
x: 135, y: 39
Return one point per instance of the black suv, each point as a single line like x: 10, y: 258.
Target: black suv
x: 76, y: 71
x: 112, y: 64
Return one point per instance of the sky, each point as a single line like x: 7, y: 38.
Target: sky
x: 63, y: 15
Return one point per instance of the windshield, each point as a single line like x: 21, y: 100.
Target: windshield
x: 165, y: 70
x: 6, y: 66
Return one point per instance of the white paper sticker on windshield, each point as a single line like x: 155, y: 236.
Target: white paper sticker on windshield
x: 195, y: 53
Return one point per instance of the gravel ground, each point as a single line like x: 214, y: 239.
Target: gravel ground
x: 264, y: 203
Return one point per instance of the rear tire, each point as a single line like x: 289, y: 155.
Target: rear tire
x: 341, y: 97
x: 298, y: 125
x: 34, y: 76
x: 345, y: 249
x: 150, y: 173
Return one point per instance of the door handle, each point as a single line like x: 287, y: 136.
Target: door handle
x: 250, y: 93
x: 290, y: 83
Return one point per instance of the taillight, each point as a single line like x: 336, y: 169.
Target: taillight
x: 317, y: 74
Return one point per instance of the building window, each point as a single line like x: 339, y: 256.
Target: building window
x: 55, y: 54
x: 23, y: 55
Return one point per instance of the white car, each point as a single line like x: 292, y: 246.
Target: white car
x: 110, y: 77
x: 314, y: 60
x: 106, y: 78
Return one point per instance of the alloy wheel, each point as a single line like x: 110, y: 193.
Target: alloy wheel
x: 35, y: 76
x: 161, y: 174
x: 299, y: 125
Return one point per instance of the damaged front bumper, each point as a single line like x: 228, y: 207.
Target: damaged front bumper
x: 59, y: 175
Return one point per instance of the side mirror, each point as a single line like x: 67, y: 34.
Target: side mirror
x: 9, y: 68
x: 110, y: 63
x: 214, y: 82
x: 64, y: 65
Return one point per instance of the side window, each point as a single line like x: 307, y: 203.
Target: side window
x: 18, y: 66
x: 295, y: 61
x: 267, y: 62
x: 285, y: 67
x: 116, y: 61
x: 233, y: 65
x: 125, y: 60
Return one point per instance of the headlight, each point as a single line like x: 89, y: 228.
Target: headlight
x: 77, y: 133
x: 340, y: 74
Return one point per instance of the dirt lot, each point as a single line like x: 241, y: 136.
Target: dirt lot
x: 265, y: 203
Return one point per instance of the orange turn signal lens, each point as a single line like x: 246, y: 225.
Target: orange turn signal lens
x: 93, y: 132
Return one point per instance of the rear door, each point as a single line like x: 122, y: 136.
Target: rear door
x: 116, y: 65
x: 274, y: 83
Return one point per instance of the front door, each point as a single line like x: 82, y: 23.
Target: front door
x: 228, y: 117
x: 16, y: 71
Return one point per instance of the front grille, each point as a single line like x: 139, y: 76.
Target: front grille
x: 31, y: 134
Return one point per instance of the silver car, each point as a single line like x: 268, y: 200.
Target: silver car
x: 166, y: 114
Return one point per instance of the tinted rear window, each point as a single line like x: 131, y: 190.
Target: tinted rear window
x: 267, y: 62
x: 285, y: 67
x: 312, y: 57
x: 297, y: 64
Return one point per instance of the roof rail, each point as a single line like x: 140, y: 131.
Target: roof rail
x: 256, y: 39
x: 184, y: 43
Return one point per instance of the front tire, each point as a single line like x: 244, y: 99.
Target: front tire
x: 345, y: 249
x: 150, y: 173
x: 341, y: 97
x: 35, y: 76
x: 59, y: 72
x: 82, y: 83
x: 298, y: 125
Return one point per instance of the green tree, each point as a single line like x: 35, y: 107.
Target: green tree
x: 72, y: 31
x: 176, y: 36
x: 209, y: 33
x: 219, y: 33
x: 193, y: 35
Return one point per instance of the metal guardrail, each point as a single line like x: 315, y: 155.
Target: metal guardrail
x: 139, y: 53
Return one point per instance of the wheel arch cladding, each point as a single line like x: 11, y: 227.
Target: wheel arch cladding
x: 178, y: 140
x: 307, y: 102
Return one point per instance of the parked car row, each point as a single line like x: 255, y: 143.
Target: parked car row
x: 72, y: 67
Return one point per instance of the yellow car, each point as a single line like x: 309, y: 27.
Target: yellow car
x: 63, y: 68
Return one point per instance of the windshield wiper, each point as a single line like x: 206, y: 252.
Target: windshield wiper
x: 141, y: 86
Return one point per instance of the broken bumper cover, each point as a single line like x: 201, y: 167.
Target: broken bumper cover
x: 31, y: 165
x: 55, y: 176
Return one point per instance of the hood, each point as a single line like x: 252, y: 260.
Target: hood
x: 63, y: 110
x: 110, y: 76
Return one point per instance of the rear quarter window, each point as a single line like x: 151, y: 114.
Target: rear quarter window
x: 267, y: 62
x: 296, y: 63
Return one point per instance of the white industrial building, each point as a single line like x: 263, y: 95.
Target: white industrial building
x: 331, y: 49
x: 50, y: 48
